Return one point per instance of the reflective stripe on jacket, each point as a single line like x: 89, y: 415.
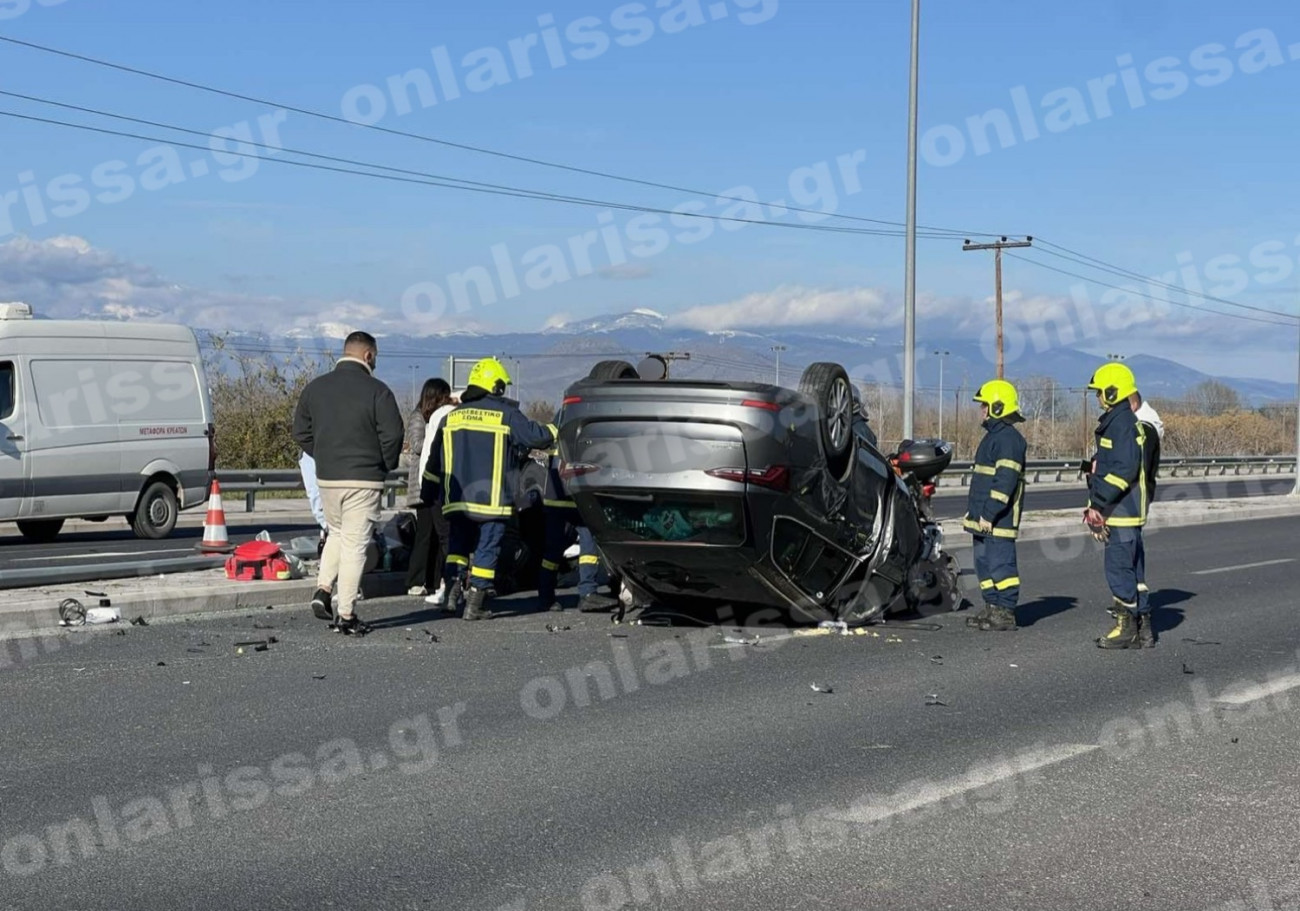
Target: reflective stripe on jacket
x: 1117, y: 487
x: 474, y: 460
x: 997, y: 485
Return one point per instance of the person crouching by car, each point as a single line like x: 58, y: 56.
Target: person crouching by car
x: 560, y: 512
x: 472, y: 472
x: 993, y: 507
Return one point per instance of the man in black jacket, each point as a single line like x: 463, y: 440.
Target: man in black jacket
x: 349, y: 422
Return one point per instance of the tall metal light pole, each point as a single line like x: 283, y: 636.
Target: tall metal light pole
x: 778, y: 349
x: 414, y: 401
x: 909, y: 272
x: 1295, y: 491
x: 942, y: 355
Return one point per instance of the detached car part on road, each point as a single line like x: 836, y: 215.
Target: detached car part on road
x: 750, y: 493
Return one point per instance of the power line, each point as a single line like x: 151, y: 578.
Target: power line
x: 516, y: 193
x: 310, y: 112
x: 1104, y: 266
x: 1157, y: 300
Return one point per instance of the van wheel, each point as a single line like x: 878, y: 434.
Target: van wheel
x: 40, y: 531
x: 155, y: 515
x: 828, y: 385
x: 614, y: 370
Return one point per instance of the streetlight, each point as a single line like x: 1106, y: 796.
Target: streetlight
x: 909, y: 280
x: 778, y: 349
x: 1116, y: 357
x: 942, y: 355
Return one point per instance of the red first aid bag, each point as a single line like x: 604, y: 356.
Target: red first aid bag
x: 254, y: 560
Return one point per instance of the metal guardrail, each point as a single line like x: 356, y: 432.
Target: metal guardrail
x: 250, y: 482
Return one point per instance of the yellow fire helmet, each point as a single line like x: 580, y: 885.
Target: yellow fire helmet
x: 491, y: 375
x: 1114, y: 381
x: 1001, y: 398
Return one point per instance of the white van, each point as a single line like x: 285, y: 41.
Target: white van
x: 101, y: 419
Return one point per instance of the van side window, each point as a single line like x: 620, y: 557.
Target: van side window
x: 6, y: 389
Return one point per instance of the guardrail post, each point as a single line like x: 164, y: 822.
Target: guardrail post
x: 392, y: 497
x: 250, y: 500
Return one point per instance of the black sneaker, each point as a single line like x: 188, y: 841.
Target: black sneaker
x: 321, y: 605
x: 350, y: 626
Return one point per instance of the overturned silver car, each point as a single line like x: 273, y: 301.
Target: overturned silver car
x: 750, y: 493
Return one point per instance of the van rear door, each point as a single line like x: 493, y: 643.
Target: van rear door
x: 13, y: 441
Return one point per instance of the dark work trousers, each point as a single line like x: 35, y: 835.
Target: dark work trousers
x: 995, y: 566
x: 557, y: 541
x: 483, y: 541
x: 428, y: 552
x: 1126, y: 567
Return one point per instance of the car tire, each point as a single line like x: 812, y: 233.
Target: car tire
x: 156, y: 513
x: 828, y: 385
x: 613, y: 370
x: 40, y: 531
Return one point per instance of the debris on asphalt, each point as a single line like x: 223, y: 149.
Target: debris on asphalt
x: 95, y: 594
x: 937, y: 659
x: 317, y: 676
x: 258, y: 624
x: 161, y: 664
x: 140, y: 621
x: 1235, y: 739
x: 1195, y: 641
x: 737, y: 640
x: 257, y: 645
x: 933, y: 699
x: 834, y: 625
x: 1187, y: 668
x: 1013, y: 665
x: 618, y: 635
x: 555, y: 628
x: 103, y: 615
x: 820, y: 688
x: 119, y: 632
x: 893, y: 639
x: 71, y: 612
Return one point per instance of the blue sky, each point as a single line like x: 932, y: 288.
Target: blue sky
x: 723, y: 103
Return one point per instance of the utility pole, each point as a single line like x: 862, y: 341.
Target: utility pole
x: 909, y: 278
x: 1295, y: 491
x: 942, y: 355
x: 414, y: 401
x: 778, y: 349
x: 997, y: 248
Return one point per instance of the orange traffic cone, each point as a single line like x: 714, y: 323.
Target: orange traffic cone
x: 215, y: 539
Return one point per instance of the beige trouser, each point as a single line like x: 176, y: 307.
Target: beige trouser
x: 352, y: 514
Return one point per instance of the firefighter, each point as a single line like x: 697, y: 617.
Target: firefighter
x: 993, y: 506
x: 472, y: 472
x: 1117, y: 501
x: 560, y: 512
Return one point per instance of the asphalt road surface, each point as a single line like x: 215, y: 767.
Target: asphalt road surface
x: 598, y: 766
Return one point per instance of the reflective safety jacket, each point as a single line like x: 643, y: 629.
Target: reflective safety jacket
x: 474, y: 459
x: 1117, y: 487
x: 997, y: 485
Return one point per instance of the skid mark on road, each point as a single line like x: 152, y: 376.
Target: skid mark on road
x: 924, y: 795
x: 1229, y: 569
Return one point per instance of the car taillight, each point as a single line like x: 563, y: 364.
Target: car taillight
x: 928, y: 490
x: 212, y: 447
x: 571, y: 400
x: 759, y: 403
x: 776, y: 477
x: 571, y: 470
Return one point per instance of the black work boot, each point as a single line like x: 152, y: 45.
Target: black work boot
x: 455, y: 597
x: 475, y: 604
x: 1146, y: 631
x: 975, y: 620
x: 594, y: 603
x: 1000, y: 620
x: 1125, y: 632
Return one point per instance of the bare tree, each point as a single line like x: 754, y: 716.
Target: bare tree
x: 541, y: 411
x: 1212, y: 398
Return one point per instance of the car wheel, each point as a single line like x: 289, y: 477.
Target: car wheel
x: 828, y: 385
x: 155, y: 515
x: 613, y: 370
x: 40, y: 531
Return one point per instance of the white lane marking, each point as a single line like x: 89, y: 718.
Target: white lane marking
x: 926, y: 794
x: 89, y: 557
x: 1261, y: 691
x: 1228, y: 569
